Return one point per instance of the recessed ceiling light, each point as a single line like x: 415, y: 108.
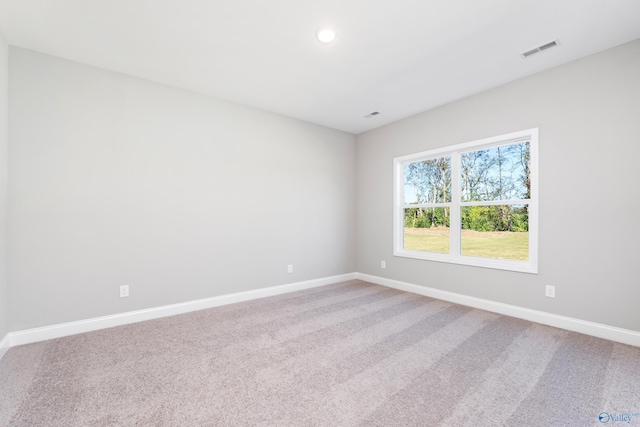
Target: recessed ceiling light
x: 326, y: 35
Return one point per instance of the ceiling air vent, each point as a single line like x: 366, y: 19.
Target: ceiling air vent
x: 373, y: 113
x: 540, y: 48
x: 548, y: 45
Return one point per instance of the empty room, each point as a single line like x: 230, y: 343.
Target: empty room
x: 294, y: 213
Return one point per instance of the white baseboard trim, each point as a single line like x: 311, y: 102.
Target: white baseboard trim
x: 71, y: 328
x: 625, y: 336
x: 28, y: 336
x: 5, y: 344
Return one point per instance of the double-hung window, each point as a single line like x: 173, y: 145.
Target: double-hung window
x: 474, y: 203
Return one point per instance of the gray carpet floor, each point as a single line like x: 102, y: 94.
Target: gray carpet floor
x: 348, y: 354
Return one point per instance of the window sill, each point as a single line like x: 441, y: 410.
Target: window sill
x: 499, y: 264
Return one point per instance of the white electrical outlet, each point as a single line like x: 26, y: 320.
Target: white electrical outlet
x: 550, y: 291
x: 124, y: 291
x: 290, y: 268
x: 383, y: 264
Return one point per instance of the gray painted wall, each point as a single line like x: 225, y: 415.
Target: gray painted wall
x: 116, y: 180
x: 588, y: 115
x: 4, y: 147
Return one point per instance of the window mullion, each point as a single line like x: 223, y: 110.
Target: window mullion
x: 454, y: 220
x: 496, y: 202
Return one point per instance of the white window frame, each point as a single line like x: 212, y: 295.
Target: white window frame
x: 454, y: 256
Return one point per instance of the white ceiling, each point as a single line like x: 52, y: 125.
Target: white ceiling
x: 397, y: 57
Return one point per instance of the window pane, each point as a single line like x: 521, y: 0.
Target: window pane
x: 497, y: 173
x: 428, y: 181
x: 426, y: 229
x: 500, y: 232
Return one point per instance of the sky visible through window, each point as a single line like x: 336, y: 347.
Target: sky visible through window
x: 495, y: 173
